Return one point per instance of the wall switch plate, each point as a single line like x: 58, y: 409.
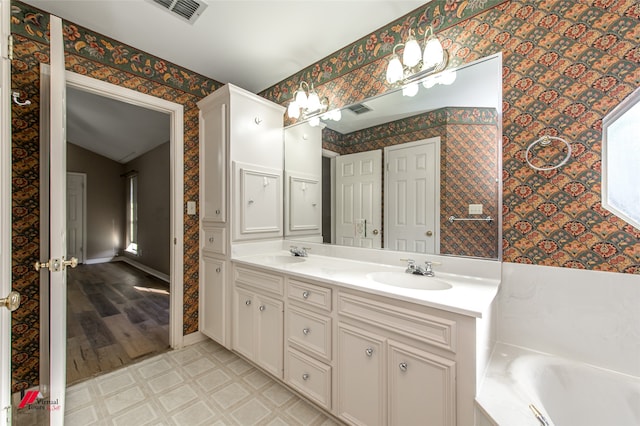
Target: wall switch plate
x: 475, y: 208
x: 191, y: 207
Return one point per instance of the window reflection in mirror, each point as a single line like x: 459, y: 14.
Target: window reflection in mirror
x: 620, y: 160
x: 400, y: 170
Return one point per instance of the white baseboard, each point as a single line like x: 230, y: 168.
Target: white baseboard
x: 148, y: 270
x: 193, y: 338
x: 99, y: 260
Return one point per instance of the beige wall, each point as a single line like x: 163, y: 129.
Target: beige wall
x: 154, y: 206
x: 105, y: 202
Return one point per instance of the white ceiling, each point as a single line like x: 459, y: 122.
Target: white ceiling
x: 252, y: 44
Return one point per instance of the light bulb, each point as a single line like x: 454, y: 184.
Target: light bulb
x: 313, y: 102
x: 433, y: 53
x: 411, y: 54
x: 301, y: 99
x: 410, y: 90
x: 293, y: 111
x: 335, y: 115
x: 314, y: 121
x: 394, y: 70
x: 429, y: 82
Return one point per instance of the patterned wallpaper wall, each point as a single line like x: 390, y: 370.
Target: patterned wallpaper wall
x: 469, y: 144
x: 565, y: 65
x: 105, y: 59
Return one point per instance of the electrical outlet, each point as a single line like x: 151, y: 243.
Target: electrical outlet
x: 191, y: 207
x: 475, y: 208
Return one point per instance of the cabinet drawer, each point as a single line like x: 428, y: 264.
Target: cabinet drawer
x: 259, y: 280
x: 310, y: 331
x: 310, y: 377
x: 215, y: 240
x: 437, y: 331
x: 310, y: 294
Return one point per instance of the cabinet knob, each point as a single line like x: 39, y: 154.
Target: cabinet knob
x: 218, y: 269
x: 403, y: 366
x: 306, y: 331
x: 262, y: 308
x: 305, y: 294
x: 247, y: 302
x: 211, y: 240
x: 369, y: 351
x: 305, y: 376
x: 217, y: 211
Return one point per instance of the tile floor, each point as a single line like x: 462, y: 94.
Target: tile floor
x: 203, y: 384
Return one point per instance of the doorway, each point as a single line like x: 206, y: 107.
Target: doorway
x: 174, y: 286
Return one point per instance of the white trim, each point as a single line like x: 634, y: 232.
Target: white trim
x: 84, y: 213
x: 98, y: 260
x: 193, y: 338
x: 143, y: 268
x: 5, y: 213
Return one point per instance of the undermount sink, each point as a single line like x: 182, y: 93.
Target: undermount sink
x: 405, y: 280
x: 281, y: 259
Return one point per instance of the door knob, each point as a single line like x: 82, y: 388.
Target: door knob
x: 375, y: 232
x: 41, y: 265
x: 73, y: 262
x: 429, y: 233
x: 12, y: 301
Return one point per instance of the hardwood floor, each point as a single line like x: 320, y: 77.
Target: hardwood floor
x: 116, y: 315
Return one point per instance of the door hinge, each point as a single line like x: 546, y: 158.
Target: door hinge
x: 10, y: 47
x: 175, y: 241
x: 8, y: 413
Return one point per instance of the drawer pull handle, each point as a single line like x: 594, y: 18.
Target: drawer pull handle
x: 305, y: 294
x: 211, y: 240
x: 306, y: 331
x: 305, y: 376
x: 262, y: 308
x: 369, y: 351
x: 247, y: 302
x: 403, y: 366
x: 218, y: 269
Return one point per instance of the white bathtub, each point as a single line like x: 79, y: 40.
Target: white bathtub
x: 566, y: 393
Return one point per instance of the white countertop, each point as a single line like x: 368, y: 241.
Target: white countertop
x: 468, y: 295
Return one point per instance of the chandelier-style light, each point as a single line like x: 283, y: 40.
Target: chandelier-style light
x: 418, y: 63
x: 307, y: 104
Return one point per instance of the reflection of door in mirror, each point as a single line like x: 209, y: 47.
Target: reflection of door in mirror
x: 412, y: 196
x: 358, y: 201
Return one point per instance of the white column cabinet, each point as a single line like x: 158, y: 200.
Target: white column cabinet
x: 240, y: 134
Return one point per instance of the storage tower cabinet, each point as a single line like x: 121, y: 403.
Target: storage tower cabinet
x: 241, y: 190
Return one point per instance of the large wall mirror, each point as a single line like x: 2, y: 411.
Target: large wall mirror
x: 417, y: 173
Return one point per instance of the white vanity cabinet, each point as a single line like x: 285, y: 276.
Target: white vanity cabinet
x: 258, y: 318
x: 241, y: 163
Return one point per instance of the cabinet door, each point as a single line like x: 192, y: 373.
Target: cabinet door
x: 212, y: 295
x: 243, y: 323
x: 213, y: 174
x: 361, y: 381
x: 421, y: 387
x: 269, y: 333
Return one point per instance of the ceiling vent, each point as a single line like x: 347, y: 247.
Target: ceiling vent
x: 187, y: 10
x: 359, y: 108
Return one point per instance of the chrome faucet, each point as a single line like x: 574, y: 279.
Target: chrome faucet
x: 298, y: 251
x: 414, y: 269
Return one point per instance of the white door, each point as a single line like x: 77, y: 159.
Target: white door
x: 76, y: 202
x: 358, y: 199
x: 411, y: 196
x: 57, y: 225
x: 5, y: 215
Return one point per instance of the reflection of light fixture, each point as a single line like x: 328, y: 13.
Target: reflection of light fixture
x: 416, y: 63
x: 306, y: 103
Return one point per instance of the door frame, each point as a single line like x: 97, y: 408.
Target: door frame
x: 436, y: 140
x: 176, y: 117
x: 84, y: 212
x: 5, y: 212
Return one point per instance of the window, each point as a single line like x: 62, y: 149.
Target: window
x: 132, y: 214
x: 620, y: 160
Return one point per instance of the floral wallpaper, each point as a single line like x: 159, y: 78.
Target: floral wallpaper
x: 104, y: 59
x: 565, y: 65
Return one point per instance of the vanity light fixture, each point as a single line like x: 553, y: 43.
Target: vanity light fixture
x: 417, y: 63
x: 307, y: 104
